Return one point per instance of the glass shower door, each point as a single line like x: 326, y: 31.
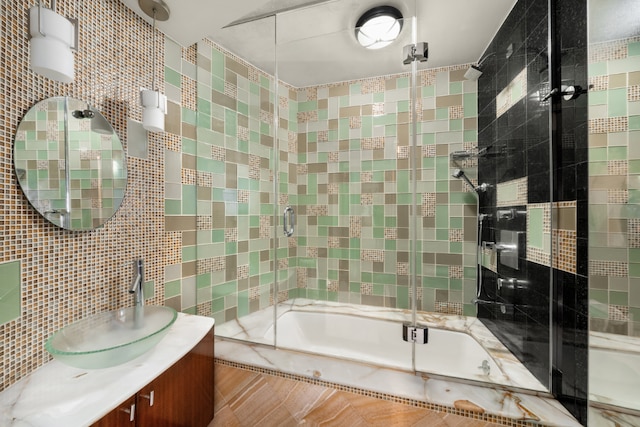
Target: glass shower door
x: 349, y: 121
x: 237, y: 166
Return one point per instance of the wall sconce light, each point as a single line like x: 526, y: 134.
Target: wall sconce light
x: 154, y: 103
x: 53, y: 39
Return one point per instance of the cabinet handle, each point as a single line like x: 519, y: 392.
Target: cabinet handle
x: 131, y: 412
x: 149, y: 396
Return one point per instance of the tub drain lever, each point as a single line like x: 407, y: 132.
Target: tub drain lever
x: 416, y: 334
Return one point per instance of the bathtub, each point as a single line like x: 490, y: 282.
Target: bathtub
x: 614, y: 370
x: 380, y: 342
x: 458, y: 346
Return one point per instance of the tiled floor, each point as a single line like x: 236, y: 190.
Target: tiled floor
x: 245, y: 398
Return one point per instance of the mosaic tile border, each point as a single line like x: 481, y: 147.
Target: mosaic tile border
x: 505, y: 421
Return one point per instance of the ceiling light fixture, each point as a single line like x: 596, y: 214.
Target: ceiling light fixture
x: 379, y: 27
x: 154, y: 103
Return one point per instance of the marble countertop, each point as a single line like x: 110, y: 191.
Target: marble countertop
x: 57, y: 395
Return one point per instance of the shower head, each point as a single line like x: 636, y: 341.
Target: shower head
x: 473, y: 73
x: 459, y: 173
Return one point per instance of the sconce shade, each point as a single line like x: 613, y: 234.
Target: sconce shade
x: 154, y: 108
x: 52, y: 39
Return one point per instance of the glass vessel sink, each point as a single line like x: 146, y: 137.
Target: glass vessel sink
x: 111, y: 338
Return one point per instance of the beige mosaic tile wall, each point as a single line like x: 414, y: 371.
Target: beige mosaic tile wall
x: 68, y: 275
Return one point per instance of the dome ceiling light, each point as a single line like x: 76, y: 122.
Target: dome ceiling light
x: 379, y: 27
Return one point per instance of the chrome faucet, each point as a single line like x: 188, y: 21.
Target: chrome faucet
x: 138, y: 282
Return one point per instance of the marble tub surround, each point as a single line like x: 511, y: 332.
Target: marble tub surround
x: 57, y: 395
x: 614, y: 362
x: 256, y: 328
x: 495, y: 404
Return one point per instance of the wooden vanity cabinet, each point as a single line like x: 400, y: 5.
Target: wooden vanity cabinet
x: 182, y: 396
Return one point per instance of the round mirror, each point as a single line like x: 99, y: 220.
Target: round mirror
x: 70, y: 163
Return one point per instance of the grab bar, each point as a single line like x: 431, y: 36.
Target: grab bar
x: 291, y: 216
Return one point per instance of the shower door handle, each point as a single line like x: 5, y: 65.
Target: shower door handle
x: 288, y: 221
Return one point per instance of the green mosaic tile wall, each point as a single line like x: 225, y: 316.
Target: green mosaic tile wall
x: 344, y: 163
x: 355, y: 192
x: 614, y: 192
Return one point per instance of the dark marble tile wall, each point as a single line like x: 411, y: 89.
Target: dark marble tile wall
x: 529, y: 141
x: 570, y: 160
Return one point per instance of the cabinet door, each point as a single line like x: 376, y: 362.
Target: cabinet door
x: 121, y: 416
x: 182, y: 395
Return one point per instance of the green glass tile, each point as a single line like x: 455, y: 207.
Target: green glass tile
x: 443, y: 170
x: 602, y: 168
x: 403, y: 106
x: 366, y: 277
x: 455, y: 247
x: 231, y: 248
x: 634, y: 255
x: 428, y: 138
x: 435, y: 282
x: 224, y: 290
x: 390, y: 130
x: 378, y: 232
x: 617, y: 102
x: 469, y: 310
x: 402, y: 181
x: 217, y: 63
x: 189, y: 198
x: 383, y: 120
x: 172, y: 77
x: 617, y: 153
x: 470, y: 272
x: 378, y: 290
x: 442, y: 186
x: 402, y: 297
x: 172, y: 207
x: 618, y: 298
x: 597, y: 154
x: 634, y: 122
x: 354, y: 243
x: 598, y: 97
x: 378, y: 216
x: 390, y: 245
x: 634, y: 270
x: 230, y: 123
x: 455, y: 125
x: 442, y: 113
x: 455, y: 88
x: 428, y: 91
x: 172, y: 289
x: 428, y: 162
x: 535, y: 228
x: 601, y: 296
x: 442, y: 216
x: 188, y: 253
x: 442, y: 234
x: 470, y: 104
x: 455, y: 284
x: 203, y: 280
x: 598, y: 69
x: 10, y: 291
x: 217, y: 84
x: 634, y: 49
x: 442, y: 271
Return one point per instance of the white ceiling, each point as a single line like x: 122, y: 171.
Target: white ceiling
x: 316, y: 42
